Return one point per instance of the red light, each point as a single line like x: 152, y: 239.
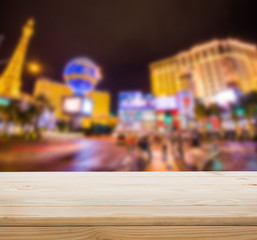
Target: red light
x: 215, y: 122
x: 187, y: 101
x: 176, y: 123
x: 160, y: 124
x: 174, y: 112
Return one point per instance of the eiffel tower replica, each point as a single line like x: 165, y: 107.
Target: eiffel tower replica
x: 10, y: 80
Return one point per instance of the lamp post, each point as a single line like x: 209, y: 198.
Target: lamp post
x: 34, y: 68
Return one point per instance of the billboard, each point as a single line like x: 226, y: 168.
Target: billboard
x: 225, y: 98
x: 166, y: 103
x: 148, y: 115
x: 87, y: 107
x: 135, y: 101
x: 77, y: 106
x: 185, y: 100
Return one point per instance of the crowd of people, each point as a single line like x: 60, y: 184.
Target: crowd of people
x: 181, y: 146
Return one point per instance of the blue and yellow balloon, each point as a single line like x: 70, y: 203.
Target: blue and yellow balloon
x: 82, y: 75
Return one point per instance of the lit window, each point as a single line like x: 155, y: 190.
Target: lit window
x: 221, y: 49
x: 191, y: 61
x: 198, y: 57
x: 228, y: 48
x: 213, y: 51
x: 184, y: 61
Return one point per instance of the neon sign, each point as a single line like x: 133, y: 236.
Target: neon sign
x: 166, y: 103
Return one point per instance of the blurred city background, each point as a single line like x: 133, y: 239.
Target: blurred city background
x: 200, y: 113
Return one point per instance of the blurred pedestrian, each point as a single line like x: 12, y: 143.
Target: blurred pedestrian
x: 180, y: 145
x: 131, y: 142
x: 195, y: 158
x: 144, y: 145
x: 148, y: 148
x: 164, y: 150
x: 214, y: 159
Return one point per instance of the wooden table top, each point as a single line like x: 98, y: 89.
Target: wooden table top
x: 128, y: 199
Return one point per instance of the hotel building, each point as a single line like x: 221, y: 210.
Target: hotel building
x: 55, y: 92
x: 207, y: 69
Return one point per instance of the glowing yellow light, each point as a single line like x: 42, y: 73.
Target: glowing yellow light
x: 34, y: 67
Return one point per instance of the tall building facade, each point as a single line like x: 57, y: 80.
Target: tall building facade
x: 55, y: 92
x: 10, y: 80
x: 207, y: 69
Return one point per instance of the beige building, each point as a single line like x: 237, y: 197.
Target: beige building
x: 210, y: 67
x: 55, y: 92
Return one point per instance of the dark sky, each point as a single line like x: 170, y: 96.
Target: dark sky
x: 123, y: 36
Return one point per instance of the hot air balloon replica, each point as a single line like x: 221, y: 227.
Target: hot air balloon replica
x: 81, y: 75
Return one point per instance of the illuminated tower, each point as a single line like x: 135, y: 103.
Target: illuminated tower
x: 10, y: 80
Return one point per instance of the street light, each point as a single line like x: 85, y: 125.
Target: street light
x: 34, y: 68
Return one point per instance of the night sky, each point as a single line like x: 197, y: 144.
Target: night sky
x: 122, y: 36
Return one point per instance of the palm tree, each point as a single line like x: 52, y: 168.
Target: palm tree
x: 31, y: 115
x: 252, y: 97
x: 9, y: 114
x: 39, y: 105
x: 201, y: 112
x: 26, y: 117
x: 3, y: 117
x: 252, y: 108
x: 235, y: 117
x: 249, y: 104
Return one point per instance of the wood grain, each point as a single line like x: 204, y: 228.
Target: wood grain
x: 129, y: 233
x: 126, y: 199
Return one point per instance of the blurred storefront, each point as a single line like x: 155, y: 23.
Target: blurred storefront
x: 146, y: 113
x: 136, y: 112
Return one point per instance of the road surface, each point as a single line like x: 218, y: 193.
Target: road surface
x: 80, y: 155
x: 104, y: 155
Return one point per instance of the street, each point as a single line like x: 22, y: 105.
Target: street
x: 229, y: 156
x: 105, y: 155
x: 237, y: 156
x: 80, y: 155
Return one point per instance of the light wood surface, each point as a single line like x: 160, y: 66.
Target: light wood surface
x: 129, y: 233
x: 94, y: 205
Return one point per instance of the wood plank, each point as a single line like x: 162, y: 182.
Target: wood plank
x: 79, y: 199
x: 129, y: 233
